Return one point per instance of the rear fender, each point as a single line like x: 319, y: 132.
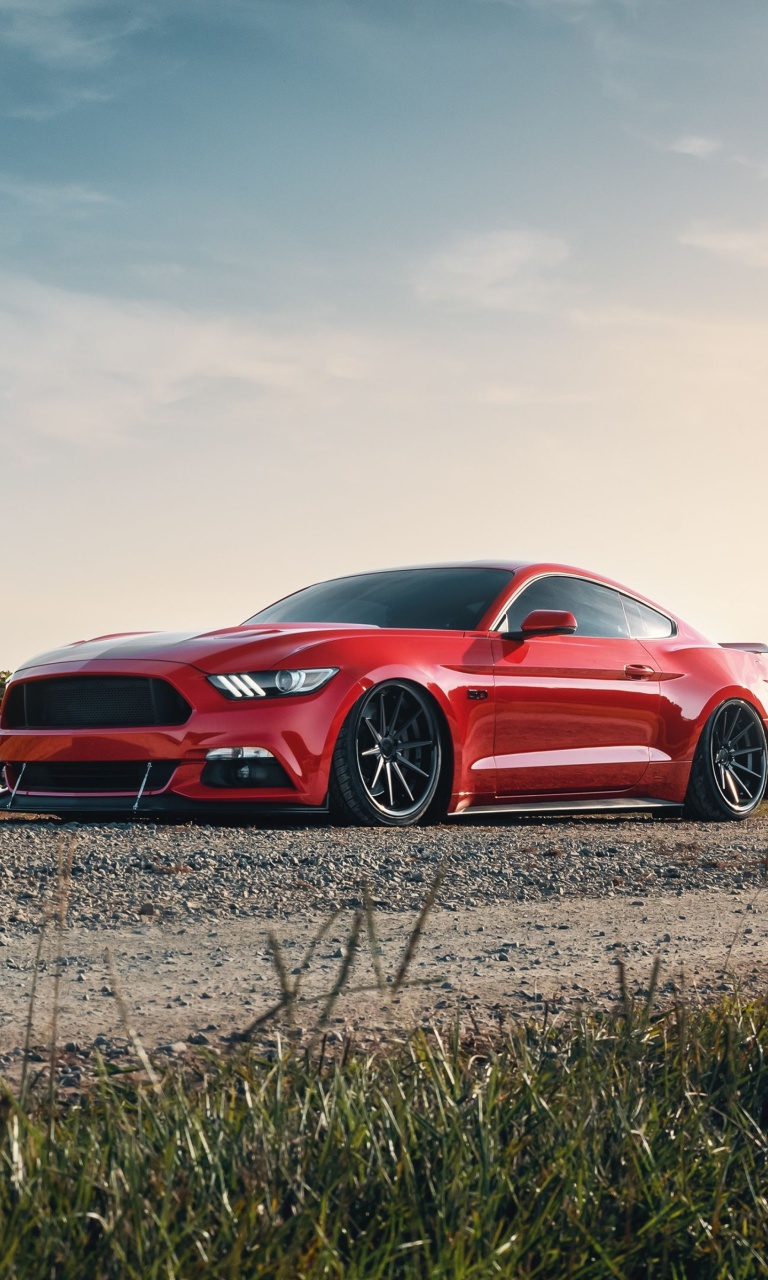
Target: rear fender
x: 726, y: 695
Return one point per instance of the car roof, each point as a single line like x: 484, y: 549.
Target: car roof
x: 507, y: 566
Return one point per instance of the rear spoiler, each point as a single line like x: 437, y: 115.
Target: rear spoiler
x: 748, y: 646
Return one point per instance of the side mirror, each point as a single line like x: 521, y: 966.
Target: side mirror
x: 548, y: 622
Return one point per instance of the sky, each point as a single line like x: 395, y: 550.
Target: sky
x: 296, y: 288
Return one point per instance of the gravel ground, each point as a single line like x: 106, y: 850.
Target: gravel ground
x: 528, y: 912
x: 126, y: 871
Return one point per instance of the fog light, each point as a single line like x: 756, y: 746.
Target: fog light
x: 239, y: 753
x: 251, y: 767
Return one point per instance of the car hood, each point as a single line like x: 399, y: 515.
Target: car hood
x: 211, y: 651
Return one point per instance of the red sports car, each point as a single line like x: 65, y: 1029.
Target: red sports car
x: 399, y: 697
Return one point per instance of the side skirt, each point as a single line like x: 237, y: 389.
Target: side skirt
x: 566, y: 806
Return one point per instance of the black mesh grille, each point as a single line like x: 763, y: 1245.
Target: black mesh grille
x: 99, y: 775
x: 93, y: 702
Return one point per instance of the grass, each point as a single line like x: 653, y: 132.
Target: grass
x: 626, y: 1145
x: 633, y: 1144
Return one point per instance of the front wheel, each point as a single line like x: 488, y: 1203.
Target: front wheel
x: 728, y: 775
x: 388, y: 762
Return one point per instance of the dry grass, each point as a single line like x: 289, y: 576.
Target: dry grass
x: 630, y: 1145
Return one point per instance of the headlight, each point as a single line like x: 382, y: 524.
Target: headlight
x: 272, y: 684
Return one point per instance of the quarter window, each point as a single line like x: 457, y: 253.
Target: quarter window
x: 598, y: 610
x: 646, y: 623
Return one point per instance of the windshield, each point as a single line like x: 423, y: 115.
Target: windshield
x: 451, y: 599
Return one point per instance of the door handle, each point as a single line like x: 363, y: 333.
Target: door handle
x: 636, y: 671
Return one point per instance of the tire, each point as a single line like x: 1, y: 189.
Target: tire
x: 728, y: 775
x: 388, y: 766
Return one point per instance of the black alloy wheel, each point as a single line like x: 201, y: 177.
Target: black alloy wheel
x: 729, y: 772
x: 388, y: 761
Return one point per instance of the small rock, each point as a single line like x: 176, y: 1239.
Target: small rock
x: 177, y: 1049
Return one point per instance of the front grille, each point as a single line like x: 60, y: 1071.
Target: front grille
x: 93, y: 702
x: 104, y: 776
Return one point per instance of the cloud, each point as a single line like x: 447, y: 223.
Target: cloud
x: 50, y: 197
x: 748, y: 247
x: 508, y: 270
x: 63, y: 98
x: 695, y: 145
x: 523, y: 396
x: 70, y: 34
x: 759, y: 167
x: 74, y: 44
x: 91, y: 371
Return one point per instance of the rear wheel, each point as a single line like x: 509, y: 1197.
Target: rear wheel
x: 728, y: 775
x: 388, y: 762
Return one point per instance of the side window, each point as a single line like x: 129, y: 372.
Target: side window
x: 646, y: 623
x: 598, y: 610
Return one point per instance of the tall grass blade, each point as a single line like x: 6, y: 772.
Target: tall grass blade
x: 31, y: 1007
x: 418, y: 929
x: 344, y: 971
x: 63, y: 881
x: 128, y: 1024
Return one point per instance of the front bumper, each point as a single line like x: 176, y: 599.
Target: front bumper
x: 299, y: 732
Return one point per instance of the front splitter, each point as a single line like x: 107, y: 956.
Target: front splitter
x: 174, y: 806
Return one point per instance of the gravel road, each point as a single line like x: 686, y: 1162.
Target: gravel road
x: 528, y: 911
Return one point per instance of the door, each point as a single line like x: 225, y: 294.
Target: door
x: 574, y: 713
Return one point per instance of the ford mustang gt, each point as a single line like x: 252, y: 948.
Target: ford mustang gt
x: 399, y: 697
